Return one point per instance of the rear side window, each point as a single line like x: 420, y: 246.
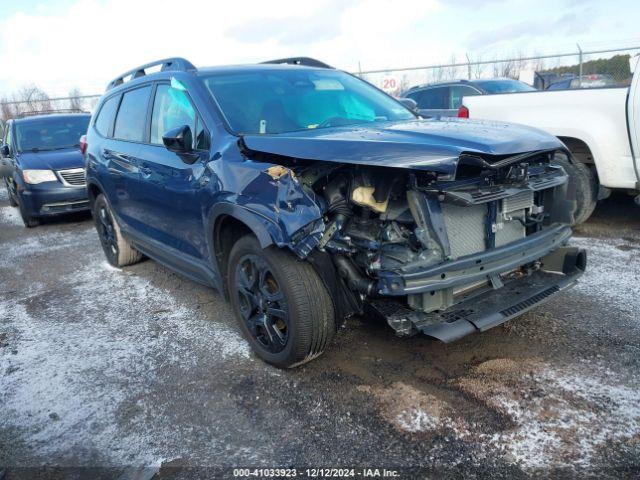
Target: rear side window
x: 131, y: 117
x: 460, y: 91
x: 432, y: 98
x: 106, y: 116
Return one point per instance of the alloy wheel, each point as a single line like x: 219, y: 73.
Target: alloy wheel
x: 106, y: 230
x: 263, y: 306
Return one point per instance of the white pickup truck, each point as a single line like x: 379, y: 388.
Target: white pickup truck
x: 601, y: 127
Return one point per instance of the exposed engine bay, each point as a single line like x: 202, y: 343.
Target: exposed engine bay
x: 412, y: 246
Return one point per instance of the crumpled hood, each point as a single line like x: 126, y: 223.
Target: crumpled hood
x: 52, y: 159
x: 433, y: 145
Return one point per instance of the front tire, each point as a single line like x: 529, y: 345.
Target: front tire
x: 28, y: 220
x: 582, y: 178
x: 117, y: 249
x: 12, y: 199
x: 280, y: 302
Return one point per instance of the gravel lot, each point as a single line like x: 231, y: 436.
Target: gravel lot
x: 121, y: 369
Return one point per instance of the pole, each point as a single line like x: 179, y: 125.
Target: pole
x: 580, y: 65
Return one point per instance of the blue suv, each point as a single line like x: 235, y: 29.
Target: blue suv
x: 305, y: 195
x: 43, y: 166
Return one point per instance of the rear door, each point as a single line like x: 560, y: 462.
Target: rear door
x: 433, y: 101
x: 171, y: 187
x: 633, y: 118
x: 121, y: 154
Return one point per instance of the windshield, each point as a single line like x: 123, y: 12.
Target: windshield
x: 50, y: 133
x: 279, y: 101
x: 504, y: 86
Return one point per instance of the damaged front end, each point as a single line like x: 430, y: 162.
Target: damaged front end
x: 445, y: 254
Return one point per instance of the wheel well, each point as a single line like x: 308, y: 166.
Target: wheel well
x: 227, y: 231
x: 580, y: 151
x: 94, y: 191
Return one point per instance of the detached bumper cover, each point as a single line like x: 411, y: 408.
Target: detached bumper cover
x: 561, y: 270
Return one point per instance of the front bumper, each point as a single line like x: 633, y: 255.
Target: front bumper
x: 472, y: 268
x: 559, y: 271
x: 53, y: 198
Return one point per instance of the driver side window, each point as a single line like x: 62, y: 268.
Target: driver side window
x: 171, y: 109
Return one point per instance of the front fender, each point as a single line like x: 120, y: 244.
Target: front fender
x: 269, y: 199
x: 262, y: 227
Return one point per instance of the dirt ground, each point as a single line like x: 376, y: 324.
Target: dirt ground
x: 139, y: 367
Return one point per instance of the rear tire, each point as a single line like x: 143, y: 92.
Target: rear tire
x: 583, y: 179
x: 117, y: 249
x: 280, y: 302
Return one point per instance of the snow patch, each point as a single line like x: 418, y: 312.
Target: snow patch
x: 43, y: 243
x: 11, y: 216
x: 408, y: 408
x: 560, y: 417
x: 64, y: 392
x: 613, y: 274
x: 416, y: 420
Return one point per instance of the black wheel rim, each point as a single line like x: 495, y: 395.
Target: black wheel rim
x: 262, y: 304
x: 106, y: 231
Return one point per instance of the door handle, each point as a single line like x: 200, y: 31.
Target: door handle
x: 115, y: 155
x: 145, y: 171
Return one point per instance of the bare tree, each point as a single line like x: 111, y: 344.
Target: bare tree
x: 451, y: 72
x: 506, y: 69
x: 32, y: 99
x: 75, y: 102
x: 7, y: 110
x: 496, y: 67
x: 438, y: 74
x: 476, y: 67
x: 404, y: 84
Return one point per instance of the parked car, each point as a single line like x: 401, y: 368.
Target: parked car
x: 444, y: 99
x: 306, y: 195
x: 599, y: 126
x: 542, y: 80
x: 42, y: 165
x: 584, y: 81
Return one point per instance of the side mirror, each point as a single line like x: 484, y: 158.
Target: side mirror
x: 6, y: 167
x: 410, y: 103
x: 178, y: 140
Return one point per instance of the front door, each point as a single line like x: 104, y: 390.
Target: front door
x: 171, y: 186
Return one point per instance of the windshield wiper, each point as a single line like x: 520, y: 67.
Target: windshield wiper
x: 48, y: 149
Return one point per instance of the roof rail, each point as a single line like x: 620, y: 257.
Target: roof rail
x: 304, y: 61
x: 32, y: 113
x: 177, y: 64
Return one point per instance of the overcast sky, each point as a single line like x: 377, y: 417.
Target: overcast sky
x: 59, y: 44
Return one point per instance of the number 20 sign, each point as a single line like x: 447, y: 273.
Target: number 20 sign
x: 389, y: 84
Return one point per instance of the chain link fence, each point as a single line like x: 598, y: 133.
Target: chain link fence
x: 34, y: 100
x: 579, y: 69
